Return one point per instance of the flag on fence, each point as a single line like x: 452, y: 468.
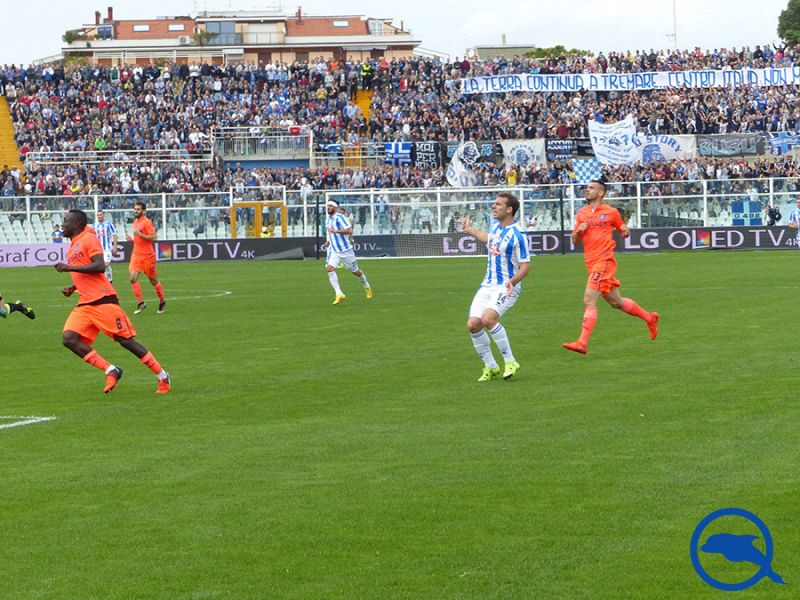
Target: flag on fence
x: 586, y: 169
x: 398, y: 154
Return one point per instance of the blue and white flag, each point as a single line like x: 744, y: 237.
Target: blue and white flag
x: 781, y: 142
x: 458, y: 172
x: 747, y: 213
x: 398, y: 154
x: 615, y: 143
x: 586, y: 169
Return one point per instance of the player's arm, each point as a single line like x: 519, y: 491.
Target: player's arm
x: 114, y: 242
x: 479, y: 235
x: 524, y: 269
x: 577, y: 233
x: 150, y: 237
x: 622, y: 225
x: 97, y: 265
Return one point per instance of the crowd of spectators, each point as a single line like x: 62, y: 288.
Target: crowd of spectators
x: 173, y: 108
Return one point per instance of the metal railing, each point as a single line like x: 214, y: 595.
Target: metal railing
x: 711, y: 203
x: 265, y: 143
x: 115, y: 157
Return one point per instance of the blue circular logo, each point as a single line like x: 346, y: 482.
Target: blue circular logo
x: 735, y: 548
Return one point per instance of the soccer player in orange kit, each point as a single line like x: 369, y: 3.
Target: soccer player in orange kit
x: 143, y: 257
x: 594, y: 226
x: 98, y: 308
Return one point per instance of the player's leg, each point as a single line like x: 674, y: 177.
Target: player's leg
x: 615, y: 299
x: 137, y: 289
x: 501, y: 302
x: 107, y: 261
x: 153, y: 277
x: 18, y: 306
x: 331, y: 264
x: 78, y: 335
x: 352, y: 265
x: 480, y: 338
x: 590, y: 297
x: 147, y: 359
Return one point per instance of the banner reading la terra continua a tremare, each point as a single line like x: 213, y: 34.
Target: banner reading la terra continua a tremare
x: 609, y: 82
x: 619, y: 144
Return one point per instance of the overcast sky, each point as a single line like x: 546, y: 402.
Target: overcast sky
x: 33, y: 29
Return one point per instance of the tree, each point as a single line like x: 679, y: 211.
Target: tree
x: 202, y: 38
x: 557, y: 51
x: 789, y: 23
x: 70, y: 36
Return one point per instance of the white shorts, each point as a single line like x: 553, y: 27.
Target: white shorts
x: 107, y: 257
x: 348, y: 258
x: 495, y: 297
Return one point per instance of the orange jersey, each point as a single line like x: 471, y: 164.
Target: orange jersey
x: 141, y: 247
x: 598, y: 239
x: 90, y: 286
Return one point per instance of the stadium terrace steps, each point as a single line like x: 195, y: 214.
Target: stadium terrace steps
x: 9, y: 151
x: 364, y: 101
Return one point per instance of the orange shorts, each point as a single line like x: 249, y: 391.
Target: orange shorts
x: 601, y: 276
x: 88, y: 320
x: 143, y: 264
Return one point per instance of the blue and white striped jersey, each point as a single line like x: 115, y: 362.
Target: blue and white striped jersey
x: 338, y: 242
x: 794, y: 218
x: 508, y: 247
x: 105, y: 233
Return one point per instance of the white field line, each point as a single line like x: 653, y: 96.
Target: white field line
x: 24, y: 421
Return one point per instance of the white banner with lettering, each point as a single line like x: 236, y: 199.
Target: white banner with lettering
x: 609, y: 82
x: 615, y: 143
x: 619, y: 144
x: 524, y: 152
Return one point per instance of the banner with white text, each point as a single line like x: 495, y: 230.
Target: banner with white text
x: 609, y: 82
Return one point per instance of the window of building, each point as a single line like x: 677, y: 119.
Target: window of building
x: 341, y: 23
x: 375, y: 28
x: 141, y: 28
x: 177, y: 27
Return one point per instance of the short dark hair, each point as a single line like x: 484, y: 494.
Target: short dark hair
x: 511, y: 201
x: 140, y: 203
x: 80, y: 216
x: 601, y: 181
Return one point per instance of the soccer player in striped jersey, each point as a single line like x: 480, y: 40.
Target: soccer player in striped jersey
x: 509, y: 263
x: 340, y: 250
x: 794, y: 220
x: 107, y: 234
x: 594, y: 227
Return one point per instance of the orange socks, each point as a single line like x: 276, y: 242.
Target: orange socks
x: 137, y: 291
x: 151, y: 363
x: 589, y: 319
x: 94, y: 359
x: 159, y: 291
x: 630, y: 307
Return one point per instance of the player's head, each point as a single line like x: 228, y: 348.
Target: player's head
x: 139, y: 209
x: 75, y: 221
x: 505, y: 206
x: 101, y: 216
x: 331, y: 206
x: 596, y: 190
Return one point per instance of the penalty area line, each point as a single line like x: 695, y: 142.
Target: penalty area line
x: 23, y: 421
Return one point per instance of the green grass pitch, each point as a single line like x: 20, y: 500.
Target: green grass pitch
x: 318, y: 451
